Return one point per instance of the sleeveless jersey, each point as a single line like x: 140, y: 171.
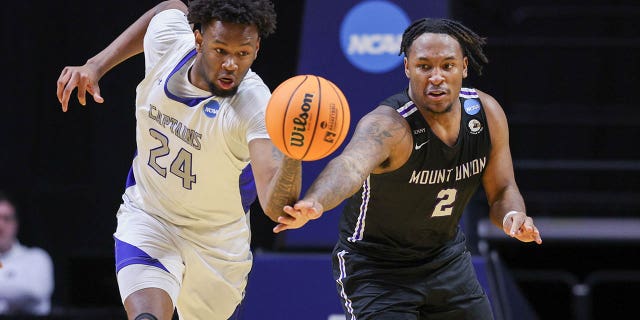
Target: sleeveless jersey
x: 414, y: 211
x: 191, y: 166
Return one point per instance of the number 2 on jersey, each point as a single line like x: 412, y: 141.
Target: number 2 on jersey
x: 180, y: 166
x: 444, y: 204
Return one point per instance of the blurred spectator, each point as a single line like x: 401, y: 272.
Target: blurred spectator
x: 26, y: 274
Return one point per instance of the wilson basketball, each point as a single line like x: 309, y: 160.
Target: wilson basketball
x: 307, y: 117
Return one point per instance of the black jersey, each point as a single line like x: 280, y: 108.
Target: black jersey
x: 416, y: 209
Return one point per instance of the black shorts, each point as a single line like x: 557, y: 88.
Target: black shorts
x: 377, y: 289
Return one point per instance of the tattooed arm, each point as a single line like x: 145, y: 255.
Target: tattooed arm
x: 381, y: 143
x: 278, y: 178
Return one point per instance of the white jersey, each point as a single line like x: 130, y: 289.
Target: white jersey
x: 192, y: 147
x: 26, y: 281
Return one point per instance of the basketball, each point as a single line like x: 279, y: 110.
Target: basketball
x: 307, y: 117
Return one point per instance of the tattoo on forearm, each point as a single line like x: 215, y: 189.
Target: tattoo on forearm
x: 339, y: 180
x: 286, y: 184
x: 368, y: 149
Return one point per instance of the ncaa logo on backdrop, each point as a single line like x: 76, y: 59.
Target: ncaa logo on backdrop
x: 211, y: 108
x: 371, y: 33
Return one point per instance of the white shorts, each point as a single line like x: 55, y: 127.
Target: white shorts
x: 203, y: 271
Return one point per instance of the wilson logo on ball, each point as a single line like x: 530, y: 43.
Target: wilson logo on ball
x: 300, y: 122
x: 307, y: 117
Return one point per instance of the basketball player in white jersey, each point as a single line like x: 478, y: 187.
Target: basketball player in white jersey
x: 183, y: 231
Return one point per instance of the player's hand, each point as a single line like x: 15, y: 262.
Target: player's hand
x: 85, y: 78
x: 310, y: 208
x: 294, y: 219
x: 298, y: 215
x: 521, y: 227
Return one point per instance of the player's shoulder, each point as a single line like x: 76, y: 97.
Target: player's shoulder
x: 252, y: 89
x: 168, y: 35
x: 168, y: 13
x: 166, y: 24
x: 252, y: 82
x: 475, y: 93
x: 397, y: 101
x: 490, y: 105
x: 497, y: 120
x: 171, y: 5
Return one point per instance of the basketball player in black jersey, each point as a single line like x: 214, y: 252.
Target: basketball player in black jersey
x: 410, y: 169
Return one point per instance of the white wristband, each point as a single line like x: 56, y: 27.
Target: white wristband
x: 506, y: 216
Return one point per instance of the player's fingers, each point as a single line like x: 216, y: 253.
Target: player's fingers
x: 307, y: 210
x: 303, y: 204
x: 529, y: 235
x: 296, y: 214
x: 289, y: 209
x: 280, y: 227
x: 82, y: 90
x: 536, y: 235
x: 70, y: 85
x: 530, y: 230
x: 528, y: 224
x: 94, y: 90
x: 286, y: 220
x: 313, y: 214
x: 516, y: 222
x: 62, y: 82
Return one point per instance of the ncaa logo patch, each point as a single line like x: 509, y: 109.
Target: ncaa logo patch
x: 471, y: 106
x: 371, y: 33
x: 475, y: 126
x: 211, y: 108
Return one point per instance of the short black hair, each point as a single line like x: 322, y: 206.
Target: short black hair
x: 469, y: 41
x: 260, y: 13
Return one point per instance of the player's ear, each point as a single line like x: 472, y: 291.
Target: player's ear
x: 406, y: 68
x: 465, y: 65
x: 198, y: 37
x: 255, y: 54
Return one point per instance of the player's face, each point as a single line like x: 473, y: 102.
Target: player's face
x: 8, y: 225
x: 435, y: 67
x: 226, y: 52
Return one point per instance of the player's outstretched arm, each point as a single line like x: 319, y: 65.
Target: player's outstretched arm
x: 278, y: 178
x: 129, y: 43
x: 506, y: 205
x: 374, y: 141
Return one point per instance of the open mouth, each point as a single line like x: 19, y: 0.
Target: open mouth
x: 436, y: 93
x: 225, y: 82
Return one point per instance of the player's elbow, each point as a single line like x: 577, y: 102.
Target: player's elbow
x: 272, y: 214
x: 272, y: 210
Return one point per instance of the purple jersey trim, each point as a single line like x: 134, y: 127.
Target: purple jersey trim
x: 248, y: 192
x: 404, y: 113
x: 131, y: 179
x: 128, y: 254
x: 189, y: 102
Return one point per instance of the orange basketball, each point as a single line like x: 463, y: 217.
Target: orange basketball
x: 307, y: 117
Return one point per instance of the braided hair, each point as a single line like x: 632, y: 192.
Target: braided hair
x: 260, y: 13
x: 469, y: 41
